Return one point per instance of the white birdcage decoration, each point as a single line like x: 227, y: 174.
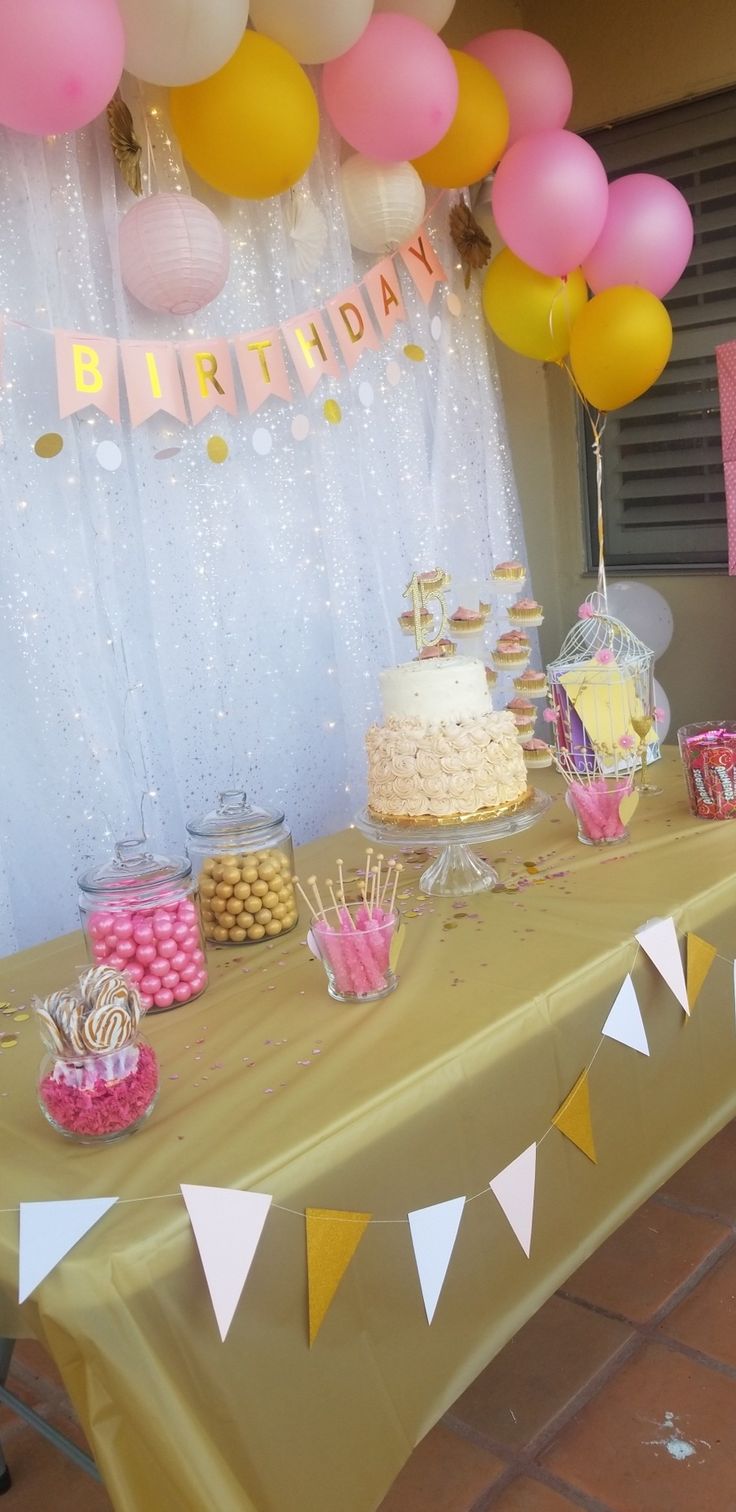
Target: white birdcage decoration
x: 601, y: 692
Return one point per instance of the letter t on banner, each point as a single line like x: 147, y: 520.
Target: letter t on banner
x: 262, y: 367
x: 422, y: 263
x: 310, y: 349
x: 87, y: 373
x: 352, y: 325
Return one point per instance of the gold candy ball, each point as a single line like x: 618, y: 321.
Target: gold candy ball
x: 237, y: 935
x: 256, y: 932
x: 263, y: 916
x: 223, y: 890
x: 242, y: 890
x: 234, y: 906
x: 274, y: 928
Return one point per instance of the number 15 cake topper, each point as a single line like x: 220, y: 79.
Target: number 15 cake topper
x: 423, y: 589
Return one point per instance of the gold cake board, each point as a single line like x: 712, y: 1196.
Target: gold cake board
x: 481, y: 816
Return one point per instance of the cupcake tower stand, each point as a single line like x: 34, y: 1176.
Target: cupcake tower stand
x: 456, y: 871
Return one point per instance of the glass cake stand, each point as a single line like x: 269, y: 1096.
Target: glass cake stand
x: 455, y: 871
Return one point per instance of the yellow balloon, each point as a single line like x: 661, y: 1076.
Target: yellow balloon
x: 620, y: 344
x: 251, y: 129
x: 479, y: 130
x: 530, y: 312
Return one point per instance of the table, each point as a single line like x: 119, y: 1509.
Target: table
x: 268, y: 1084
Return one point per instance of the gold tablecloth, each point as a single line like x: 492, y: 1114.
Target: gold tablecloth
x: 268, y: 1084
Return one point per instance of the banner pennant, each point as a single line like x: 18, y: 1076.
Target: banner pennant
x: 624, y: 1022
x: 332, y: 1239
x: 433, y: 1234
x: 48, y: 1230
x: 700, y: 958
x: 227, y: 1227
x: 658, y: 940
x: 573, y: 1118
x: 513, y: 1187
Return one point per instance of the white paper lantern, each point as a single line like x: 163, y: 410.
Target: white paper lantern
x: 384, y: 203
x: 434, y: 13
x: 174, y: 254
x: 313, y: 31
x: 180, y: 41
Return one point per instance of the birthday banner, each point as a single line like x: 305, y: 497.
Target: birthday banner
x: 190, y: 379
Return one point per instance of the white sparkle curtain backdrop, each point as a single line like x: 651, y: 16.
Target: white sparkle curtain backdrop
x: 176, y: 627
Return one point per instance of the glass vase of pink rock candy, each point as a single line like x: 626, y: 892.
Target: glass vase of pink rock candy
x: 354, y: 945
x: 596, y: 804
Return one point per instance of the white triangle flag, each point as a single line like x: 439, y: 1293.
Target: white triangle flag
x: 514, y: 1189
x: 227, y: 1226
x: 624, y: 1022
x: 433, y: 1234
x: 48, y: 1230
x: 658, y: 939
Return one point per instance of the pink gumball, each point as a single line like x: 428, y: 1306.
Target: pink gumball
x: 183, y: 992
x: 162, y: 927
x: 111, y: 941
x: 646, y: 239
x: 191, y: 942
x: 393, y: 95
x: 116, y: 961
x: 189, y: 972
x: 187, y: 912
x: 171, y: 980
x: 167, y: 948
x: 123, y: 926
x: 99, y: 924
x: 134, y: 972
x: 59, y: 63
x: 550, y: 196
x: 146, y: 954
x: 143, y: 933
x: 180, y: 931
x: 159, y: 965
x: 100, y: 949
x: 198, y: 957
x: 150, y: 984
x: 179, y: 960
x: 533, y: 76
x: 126, y: 949
x: 146, y: 1001
x: 164, y: 998
x: 199, y: 982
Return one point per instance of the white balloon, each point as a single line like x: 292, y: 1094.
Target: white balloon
x: 180, y: 41
x: 644, y: 611
x: 384, y: 202
x: 313, y: 31
x: 433, y: 13
x: 662, y: 702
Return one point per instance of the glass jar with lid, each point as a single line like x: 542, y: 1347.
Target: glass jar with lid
x: 243, y: 860
x: 139, y: 915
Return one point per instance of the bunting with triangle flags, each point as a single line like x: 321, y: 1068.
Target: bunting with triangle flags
x: 333, y: 1237
x: 513, y: 1188
x: 433, y: 1234
x: 658, y: 940
x: 700, y: 958
x: 48, y: 1230
x: 573, y: 1118
x: 624, y: 1022
x: 227, y: 1226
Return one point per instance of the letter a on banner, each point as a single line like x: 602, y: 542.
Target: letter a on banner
x: 208, y: 375
x: 658, y: 940
x: 48, y: 1230
x: 422, y: 264
x: 384, y: 292
x: 700, y: 958
x: 332, y: 1239
x: 227, y: 1226
x: 573, y: 1118
x: 352, y: 325
x: 433, y: 1234
x: 87, y: 373
x: 152, y: 380
x: 514, y: 1190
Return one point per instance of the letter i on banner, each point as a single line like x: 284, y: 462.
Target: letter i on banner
x: 262, y: 367
x: 423, y: 265
x: 310, y: 349
x: 384, y: 292
x: 152, y: 380
x: 352, y: 325
x: 208, y: 376
x: 87, y: 373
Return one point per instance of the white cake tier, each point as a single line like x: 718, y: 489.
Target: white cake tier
x: 441, y: 690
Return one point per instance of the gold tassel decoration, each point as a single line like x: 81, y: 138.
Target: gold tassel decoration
x: 470, y: 239
x: 125, y: 145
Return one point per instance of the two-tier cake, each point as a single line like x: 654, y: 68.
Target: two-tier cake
x: 441, y: 753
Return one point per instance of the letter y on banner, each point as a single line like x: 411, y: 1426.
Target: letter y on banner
x: 423, y: 265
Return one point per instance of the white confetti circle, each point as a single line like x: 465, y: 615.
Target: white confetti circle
x: 300, y: 427
x: 393, y: 373
x: 262, y: 441
x: 109, y: 456
x: 454, y: 304
x: 435, y: 328
x: 366, y: 395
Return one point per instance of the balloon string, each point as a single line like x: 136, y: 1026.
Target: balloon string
x: 597, y: 424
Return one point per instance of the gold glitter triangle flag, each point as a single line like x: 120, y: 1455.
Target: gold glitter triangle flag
x: 700, y: 958
x: 332, y: 1239
x: 573, y: 1118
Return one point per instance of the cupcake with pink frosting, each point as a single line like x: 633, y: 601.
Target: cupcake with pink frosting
x: 468, y: 621
x: 526, y: 612
x: 509, y: 574
x: 532, y: 684
x: 537, y: 753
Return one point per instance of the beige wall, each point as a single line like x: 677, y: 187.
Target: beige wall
x: 626, y: 58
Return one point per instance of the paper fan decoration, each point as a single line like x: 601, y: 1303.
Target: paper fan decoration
x: 306, y: 229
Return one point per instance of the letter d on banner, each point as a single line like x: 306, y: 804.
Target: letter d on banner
x: 87, y: 373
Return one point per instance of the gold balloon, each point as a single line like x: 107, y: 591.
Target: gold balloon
x: 530, y: 312
x: 478, y: 133
x: 620, y: 344
x: 251, y: 129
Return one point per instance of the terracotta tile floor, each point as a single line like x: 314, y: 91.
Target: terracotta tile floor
x: 619, y: 1396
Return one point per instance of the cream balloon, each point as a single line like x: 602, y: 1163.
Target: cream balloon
x: 662, y: 703
x: 434, y: 13
x: 384, y: 202
x: 311, y: 30
x: 645, y: 610
x: 180, y: 41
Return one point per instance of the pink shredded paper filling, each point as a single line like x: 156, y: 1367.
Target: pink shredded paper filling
x: 109, y: 1107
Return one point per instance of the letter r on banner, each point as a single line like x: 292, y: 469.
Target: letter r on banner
x: 208, y: 377
x: 87, y: 373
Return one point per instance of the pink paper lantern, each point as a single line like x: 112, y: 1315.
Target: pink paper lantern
x: 174, y: 254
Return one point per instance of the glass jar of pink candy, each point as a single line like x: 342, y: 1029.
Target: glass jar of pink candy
x: 140, y: 916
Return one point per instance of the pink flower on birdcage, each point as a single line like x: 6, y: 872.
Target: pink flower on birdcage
x: 627, y: 742
x: 586, y: 611
x: 550, y: 716
x: 659, y: 716
x: 604, y: 657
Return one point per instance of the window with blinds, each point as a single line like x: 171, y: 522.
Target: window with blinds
x: 663, y: 469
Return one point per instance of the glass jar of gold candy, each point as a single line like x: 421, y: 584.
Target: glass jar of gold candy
x: 243, y: 861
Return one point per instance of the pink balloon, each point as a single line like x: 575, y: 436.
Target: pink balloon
x: 393, y: 95
x: 549, y: 198
x: 60, y: 63
x: 533, y: 76
x: 646, y: 239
